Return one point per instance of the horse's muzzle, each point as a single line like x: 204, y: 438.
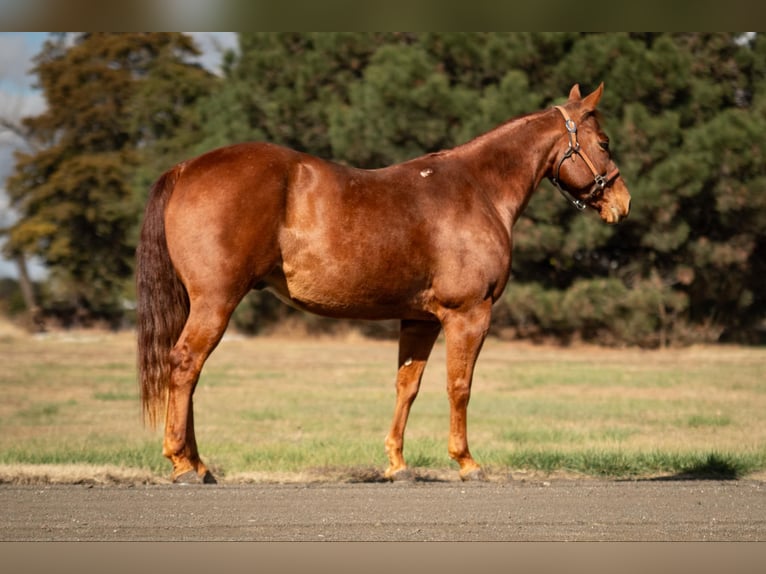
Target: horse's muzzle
x: 616, y: 206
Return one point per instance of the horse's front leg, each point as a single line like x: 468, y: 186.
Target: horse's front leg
x: 416, y: 339
x: 465, y: 332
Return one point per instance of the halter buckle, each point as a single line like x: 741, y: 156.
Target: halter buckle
x: 600, y: 181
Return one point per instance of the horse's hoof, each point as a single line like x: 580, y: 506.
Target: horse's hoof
x: 402, y: 475
x: 191, y: 477
x: 475, y: 475
x: 209, y: 478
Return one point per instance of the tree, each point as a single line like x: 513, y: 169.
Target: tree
x: 26, y: 287
x: 77, y: 206
x: 162, y: 113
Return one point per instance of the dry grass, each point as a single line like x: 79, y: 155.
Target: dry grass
x: 287, y: 409
x: 76, y: 474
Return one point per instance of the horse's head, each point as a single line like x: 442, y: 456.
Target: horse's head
x: 582, y: 167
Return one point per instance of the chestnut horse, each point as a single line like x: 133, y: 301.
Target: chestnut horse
x: 427, y: 241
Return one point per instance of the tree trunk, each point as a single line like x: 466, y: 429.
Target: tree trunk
x: 34, y: 313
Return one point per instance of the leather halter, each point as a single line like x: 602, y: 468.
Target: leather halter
x: 600, y: 182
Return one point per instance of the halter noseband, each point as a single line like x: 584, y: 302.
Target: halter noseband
x: 600, y: 182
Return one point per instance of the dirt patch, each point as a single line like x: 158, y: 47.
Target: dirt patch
x: 75, y: 474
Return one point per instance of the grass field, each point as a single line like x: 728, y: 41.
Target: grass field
x: 303, y: 409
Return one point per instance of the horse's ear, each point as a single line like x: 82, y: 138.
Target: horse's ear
x: 574, y: 93
x: 591, y: 100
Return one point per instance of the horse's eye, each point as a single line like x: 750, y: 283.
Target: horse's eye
x: 604, y: 145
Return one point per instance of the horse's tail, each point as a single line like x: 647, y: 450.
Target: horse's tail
x: 163, y: 303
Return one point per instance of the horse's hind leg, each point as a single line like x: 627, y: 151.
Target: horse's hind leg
x: 203, y: 330
x: 416, y: 339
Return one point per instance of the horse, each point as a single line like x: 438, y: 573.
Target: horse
x: 427, y: 242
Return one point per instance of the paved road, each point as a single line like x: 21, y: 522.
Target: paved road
x: 514, y: 511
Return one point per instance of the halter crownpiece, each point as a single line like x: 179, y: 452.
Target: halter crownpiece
x: 600, y: 182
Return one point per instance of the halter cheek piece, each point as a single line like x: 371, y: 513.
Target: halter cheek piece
x: 600, y: 182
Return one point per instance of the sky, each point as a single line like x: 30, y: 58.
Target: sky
x: 19, y: 98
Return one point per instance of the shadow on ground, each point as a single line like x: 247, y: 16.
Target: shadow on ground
x: 714, y: 467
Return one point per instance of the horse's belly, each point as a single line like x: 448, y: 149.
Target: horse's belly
x: 344, y: 291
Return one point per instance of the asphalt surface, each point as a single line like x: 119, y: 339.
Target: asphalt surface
x: 559, y: 510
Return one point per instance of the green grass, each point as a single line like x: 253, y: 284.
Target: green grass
x: 90, y: 452
x: 296, y: 406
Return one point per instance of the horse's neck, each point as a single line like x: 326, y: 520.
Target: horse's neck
x: 511, y: 160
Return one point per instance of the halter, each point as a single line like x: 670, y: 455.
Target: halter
x: 600, y: 182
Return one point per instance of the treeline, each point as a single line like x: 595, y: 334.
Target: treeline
x: 686, y: 114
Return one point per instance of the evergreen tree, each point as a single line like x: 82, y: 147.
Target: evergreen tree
x: 402, y: 107
x: 164, y: 119
x: 287, y: 84
x: 77, y: 207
